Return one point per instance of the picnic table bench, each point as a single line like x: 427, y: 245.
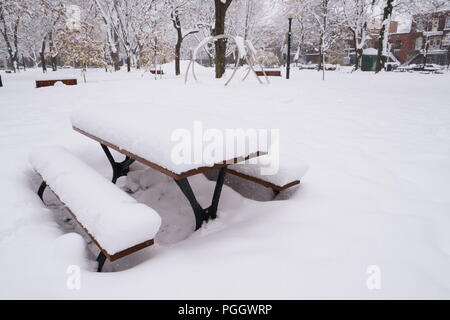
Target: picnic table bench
x: 49, y: 83
x: 115, y: 222
x: 125, y: 226
x: 277, y: 188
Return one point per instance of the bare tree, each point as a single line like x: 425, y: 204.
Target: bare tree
x: 357, y: 14
x: 11, y: 15
x: 221, y: 7
x: 382, y: 41
x: 326, y: 15
x: 178, y: 8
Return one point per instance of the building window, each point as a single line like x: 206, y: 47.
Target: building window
x: 447, y: 23
x: 435, y: 26
x: 435, y: 44
x: 419, y: 43
x: 420, y: 26
x: 446, y: 41
x: 398, y: 44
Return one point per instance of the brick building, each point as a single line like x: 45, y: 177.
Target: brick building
x: 429, y: 35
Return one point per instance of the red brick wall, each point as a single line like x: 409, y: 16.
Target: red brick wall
x: 408, y: 47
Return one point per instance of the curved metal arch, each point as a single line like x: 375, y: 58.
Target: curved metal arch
x: 205, y: 42
x: 248, y: 56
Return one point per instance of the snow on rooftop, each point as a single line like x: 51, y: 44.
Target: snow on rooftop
x: 370, y: 52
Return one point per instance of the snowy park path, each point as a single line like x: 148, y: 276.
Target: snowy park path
x: 376, y: 192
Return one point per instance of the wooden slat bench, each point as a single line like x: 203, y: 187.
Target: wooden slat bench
x: 276, y: 188
x: 49, y: 83
x: 116, y: 222
x: 161, y: 72
x: 269, y: 73
x: 287, y: 176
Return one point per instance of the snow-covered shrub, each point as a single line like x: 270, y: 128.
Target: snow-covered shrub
x: 80, y: 47
x: 156, y: 52
x: 267, y: 59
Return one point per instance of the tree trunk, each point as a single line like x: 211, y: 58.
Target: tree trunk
x: 84, y: 72
x: 425, y: 54
x: 219, y: 28
x: 448, y: 58
x: 358, y: 52
x: 177, y: 58
x: 323, y: 35
x: 12, y: 58
x: 320, y: 64
x: 42, y: 54
x: 177, y: 26
x: 4, y: 32
x: 11, y: 54
x: 387, y: 13
x: 52, y: 53
x: 114, y: 51
x: 16, y: 45
x: 128, y: 62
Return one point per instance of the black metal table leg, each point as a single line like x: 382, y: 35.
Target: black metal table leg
x: 41, y: 190
x: 120, y: 169
x: 198, y: 210
x: 202, y: 215
x: 101, y: 261
x: 212, y: 210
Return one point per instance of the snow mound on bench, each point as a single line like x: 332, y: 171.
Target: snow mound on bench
x: 115, y: 219
x: 286, y: 171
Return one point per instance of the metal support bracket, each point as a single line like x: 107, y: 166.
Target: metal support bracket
x: 41, y: 190
x: 101, y: 258
x: 120, y: 169
x: 202, y: 215
x: 275, y: 193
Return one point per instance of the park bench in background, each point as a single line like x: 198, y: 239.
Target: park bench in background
x: 115, y: 222
x: 159, y: 72
x: 49, y: 83
x: 269, y: 73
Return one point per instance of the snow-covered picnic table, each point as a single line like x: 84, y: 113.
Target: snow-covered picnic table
x: 134, y: 133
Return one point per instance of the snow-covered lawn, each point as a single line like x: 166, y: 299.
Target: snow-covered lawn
x: 376, y: 194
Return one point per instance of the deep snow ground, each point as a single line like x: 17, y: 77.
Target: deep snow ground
x: 376, y: 192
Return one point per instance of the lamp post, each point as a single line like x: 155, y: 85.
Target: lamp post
x: 288, y: 62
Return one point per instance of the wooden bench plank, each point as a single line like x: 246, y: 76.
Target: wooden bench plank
x: 49, y: 83
x: 269, y: 73
x: 111, y: 257
x: 263, y: 182
x: 115, y: 222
